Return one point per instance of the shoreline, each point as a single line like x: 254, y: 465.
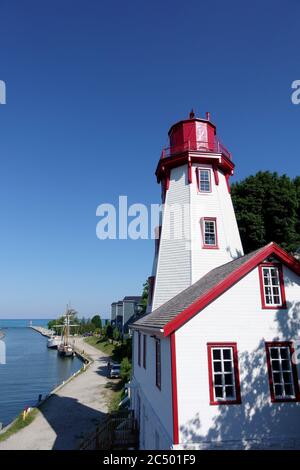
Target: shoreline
x: 86, y: 363
x: 72, y: 410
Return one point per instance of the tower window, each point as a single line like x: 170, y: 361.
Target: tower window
x: 204, y: 180
x: 223, y: 373
x: 209, y: 232
x: 282, y: 372
x: 272, y: 286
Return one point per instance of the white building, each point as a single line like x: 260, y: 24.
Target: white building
x: 214, y: 363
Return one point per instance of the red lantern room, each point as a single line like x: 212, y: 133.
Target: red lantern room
x: 193, y: 140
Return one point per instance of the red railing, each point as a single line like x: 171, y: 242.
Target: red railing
x: 197, y: 146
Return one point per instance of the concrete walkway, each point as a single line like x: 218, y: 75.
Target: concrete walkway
x: 71, y: 413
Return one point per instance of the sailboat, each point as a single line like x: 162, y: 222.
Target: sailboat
x: 65, y: 348
x: 53, y: 342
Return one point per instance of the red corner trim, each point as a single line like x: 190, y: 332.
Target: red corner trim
x: 189, y: 171
x: 235, y: 276
x: 167, y: 181
x: 227, y: 176
x: 174, y: 390
x: 216, y: 174
x: 294, y: 371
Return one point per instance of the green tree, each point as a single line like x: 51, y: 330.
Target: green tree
x: 267, y: 208
x: 116, y: 334
x: 125, y: 371
x: 109, y: 331
x: 96, y: 320
x: 144, y: 300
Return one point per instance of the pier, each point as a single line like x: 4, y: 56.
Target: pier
x: 43, y: 331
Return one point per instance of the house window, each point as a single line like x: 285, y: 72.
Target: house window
x: 204, y: 180
x: 144, y: 350
x: 139, y: 348
x: 272, y: 286
x: 158, y: 363
x: 209, y: 232
x: 282, y: 372
x: 223, y: 374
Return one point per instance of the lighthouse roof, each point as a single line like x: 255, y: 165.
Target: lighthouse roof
x: 178, y: 310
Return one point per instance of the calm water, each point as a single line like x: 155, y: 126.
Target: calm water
x: 31, y: 368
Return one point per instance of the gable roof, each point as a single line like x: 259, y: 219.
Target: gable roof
x: 178, y: 310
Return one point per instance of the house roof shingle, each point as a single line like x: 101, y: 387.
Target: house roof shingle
x: 166, y: 313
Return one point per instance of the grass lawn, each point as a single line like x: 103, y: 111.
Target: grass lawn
x: 102, y: 344
x: 115, y: 388
x: 18, y: 424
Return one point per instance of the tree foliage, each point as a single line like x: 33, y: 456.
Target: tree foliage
x: 125, y: 370
x: 96, y: 320
x: 144, y: 300
x: 267, y: 208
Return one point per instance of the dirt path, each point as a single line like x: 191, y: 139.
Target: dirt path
x: 71, y: 413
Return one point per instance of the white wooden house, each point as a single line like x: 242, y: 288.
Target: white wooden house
x: 215, y: 357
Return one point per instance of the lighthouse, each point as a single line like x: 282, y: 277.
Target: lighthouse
x: 222, y: 327
x: 198, y: 230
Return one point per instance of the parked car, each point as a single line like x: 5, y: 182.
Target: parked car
x: 114, y: 371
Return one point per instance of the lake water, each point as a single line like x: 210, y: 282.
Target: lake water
x: 31, y: 368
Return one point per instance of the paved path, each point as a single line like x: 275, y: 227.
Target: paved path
x: 71, y: 413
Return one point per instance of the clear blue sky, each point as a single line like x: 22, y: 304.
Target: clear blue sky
x: 92, y: 88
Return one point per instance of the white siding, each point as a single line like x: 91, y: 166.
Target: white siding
x: 237, y: 316
x: 215, y: 204
x: 174, y: 259
x: 182, y: 260
x: 155, y: 404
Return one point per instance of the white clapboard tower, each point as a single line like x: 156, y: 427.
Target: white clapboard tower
x: 198, y: 229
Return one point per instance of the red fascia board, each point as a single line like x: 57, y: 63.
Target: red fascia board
x: 167, y: 163
x: 174, y: 390
x: 229, y: 281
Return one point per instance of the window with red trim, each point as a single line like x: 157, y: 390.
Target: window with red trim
x: 139, y: 348
x: 158, y: 363
x: 224, y: 383
x: 209, y: 232
x: 204, y: 180
x: 144, y: 351
x: 272, y: 286
x: 282, y: 371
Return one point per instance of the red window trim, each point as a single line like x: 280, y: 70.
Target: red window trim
x: 213, y: 401
x: 269, y: 344
x: 145, y: 351
x: 265, y: 306
x: 198, y: 169
x: 157, y: 345
x: 139, y: 348
x: 209, y: 247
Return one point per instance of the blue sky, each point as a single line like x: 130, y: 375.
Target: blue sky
x: 92, y: 88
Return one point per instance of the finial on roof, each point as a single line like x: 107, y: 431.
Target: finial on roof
x: 192, y: 114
